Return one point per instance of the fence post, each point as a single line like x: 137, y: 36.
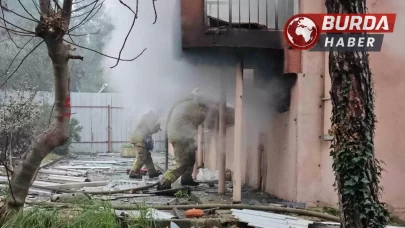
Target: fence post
x: 109, y: 129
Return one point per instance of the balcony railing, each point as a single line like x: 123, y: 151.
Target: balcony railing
x: 249, y: 14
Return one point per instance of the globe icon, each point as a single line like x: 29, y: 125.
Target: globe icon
x: 301, y: 32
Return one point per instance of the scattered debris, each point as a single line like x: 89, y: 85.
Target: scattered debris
x: 66, y: 179
x: 70, y: 198
x: 210, y: 211
x: 177, y: 213
x: 62, y: 172
x: 123, y: 196
x: 294, y: 205
x: 173, y: 201
x: 84, y: 167
x: 268, y: 220
x: 207, y: 175
x: 150, y: 214
x: 97, y: 162
x: 172, y: 192
x: 70, y: 185
x: 32, y: 191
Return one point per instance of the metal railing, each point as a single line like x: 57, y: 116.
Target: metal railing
x: 249, y: 14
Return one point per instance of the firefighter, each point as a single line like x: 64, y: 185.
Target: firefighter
x: 182, y: 125
x: 143, y: 143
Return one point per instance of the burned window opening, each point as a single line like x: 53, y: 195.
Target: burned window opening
x: 283, y: 102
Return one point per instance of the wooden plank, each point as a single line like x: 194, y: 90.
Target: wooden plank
x: 222, y: 138
x: 38, y: 183
x: 66, y: 179
x: 96, y: 162
x: 73, y: 185
x: 238, y: 139
x: 63, y: 172
x: 83, y: 167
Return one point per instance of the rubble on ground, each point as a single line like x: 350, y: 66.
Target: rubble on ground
x: 76, y: 178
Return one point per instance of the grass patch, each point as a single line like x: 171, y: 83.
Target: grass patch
x: 35, y: 218
x: 144, y: 218
x: 93, y: 214
x: 97, y: 215
x: 327, y: 210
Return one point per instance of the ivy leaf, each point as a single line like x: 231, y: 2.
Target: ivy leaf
x: 350, y: 182
x: 348, y: 191
x: 356, y: 178
x: 368, y: 136
x: 365, y: 181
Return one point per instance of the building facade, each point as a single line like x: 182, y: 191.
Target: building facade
x: 286, y: 152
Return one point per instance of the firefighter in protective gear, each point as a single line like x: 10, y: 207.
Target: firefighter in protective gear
x: 143, y: 143
x: 182, y: 125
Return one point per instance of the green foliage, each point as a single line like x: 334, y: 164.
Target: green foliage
x: 357, y: 171
x: 94, y: 214
x: 33, y: 218
x: 21, y: 121
x: 74, y: 136
x: 331, y: 211
x: 97, y: 215
x: 143, y: 220
x: 181, y: 194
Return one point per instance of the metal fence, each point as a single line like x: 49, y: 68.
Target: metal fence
x: 107, y: 122
x: 250, y: 14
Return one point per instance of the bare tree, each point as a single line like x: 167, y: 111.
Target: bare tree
x: 53, y: 26
x: 356, y: 169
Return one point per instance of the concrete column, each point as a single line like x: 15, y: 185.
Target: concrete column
x: 237, y: 153
x: 222, y: 139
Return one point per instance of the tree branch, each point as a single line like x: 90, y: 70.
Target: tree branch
x: 86, y: 13
x: 66, y: 12
x: 87, y: 18
x: 22, y: 29
x: 85, y: 6
x: 12, y: 61
x: 75, y: 57
x: 129, y: 32
x: 22, y: 61
x: 90, y: 33
x: 57, y: 5
x: 105, y: 55
x: 17, y: 14
x: 154, y: 9
x: 5, y: 24
x: 25, y: 9
x: 77, y: 2
x: 45, y: 6
x: 36, y: 7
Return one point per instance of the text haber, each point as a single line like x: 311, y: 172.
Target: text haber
x: 355, y: 23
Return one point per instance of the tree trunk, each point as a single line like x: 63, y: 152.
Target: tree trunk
x: 353, y: 121
x: 58, y: 132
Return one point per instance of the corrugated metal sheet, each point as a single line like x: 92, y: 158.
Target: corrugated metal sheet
x: 261, y: 219
x: 271, y: 220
